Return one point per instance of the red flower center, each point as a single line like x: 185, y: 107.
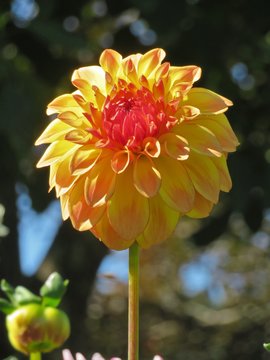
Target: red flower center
x: 130, y: 117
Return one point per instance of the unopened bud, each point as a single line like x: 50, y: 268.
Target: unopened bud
x: 36, y: 328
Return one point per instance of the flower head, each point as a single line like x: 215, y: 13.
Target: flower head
x: 135, y: 147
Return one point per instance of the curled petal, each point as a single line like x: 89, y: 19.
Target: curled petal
x: 105, y: 232
x: 201, y: 139
x: 175, y: 146
x: 55, y: 151
x: 100, y: 183
x: 63, y: 103
x: 110, y: 61
x: 83, y: 216
x: 189, y: 112
x: 56, y: 130
x: 146, y: 177
x: 120, y: 161
x: 162, y: 222
x: 151, y: 147
x: 128, y: 212
x: 176, y: 187
x: 219, y: 125
x: 204, y: 176
x: 208, y: 102
x: 225, y: 179
x: 150, y: 61
x: 202, y: 207
x: 84, y: 159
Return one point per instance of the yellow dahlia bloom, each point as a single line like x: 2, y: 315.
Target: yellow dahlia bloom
x: 135, y: 147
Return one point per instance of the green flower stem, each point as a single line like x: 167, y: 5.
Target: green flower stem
x: 35, y: 356
x: 133, y: 303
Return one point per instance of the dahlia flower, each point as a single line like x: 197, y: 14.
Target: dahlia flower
x: 68, y: 356
x: 135, y: 147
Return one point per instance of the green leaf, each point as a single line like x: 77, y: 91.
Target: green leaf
x: 53, y: 290
x: 23, y: 296
x: 8, y: 290
x: 6, y: 307
x: 267, y: 346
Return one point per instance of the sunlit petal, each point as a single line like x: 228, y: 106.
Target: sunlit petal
x: 208, y: 102
x: 176, y: 187
x: 201, y: 139
x: 149, y: 61
x: 162, y: 222
x: 100, y: 183
x: 63, y: 103
x: 146, y: 177
x: 202, y: 207
x: 204, y: 176
x: 128, y: 212
x: 105, y: 232
x: 55, y: 151
x: 56, y: 130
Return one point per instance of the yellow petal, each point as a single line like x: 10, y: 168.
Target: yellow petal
x: 225, y: 178
x: 56, y: 130
x: 178, y: 74
x: 53, y: 169
x: 146, y: 178
x: 208, y: 102
x: 163, y: 71
x: 150, y: 61
x: 93, y: 75
x: 78, y: 136
x: 128, y: 210
x: 110, y: 61
x: 176, y: 187
x: 130, y: 70
x: 55, y: 151
x: 219, y: 125
x: 83, y: 216
x: 162, y: 222
x: 204, y: 176
x: 64, y: 206
x: 100, y: 183
x: 73, y: 120
x: 175, y: 146
x: 63, y: 177
x: 104, y: 231
x: 84, y: 159
x: 200, y: 139
x: 64, y: 102
x: 202, y: 207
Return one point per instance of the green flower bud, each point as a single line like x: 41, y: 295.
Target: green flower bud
x: 35, y: 328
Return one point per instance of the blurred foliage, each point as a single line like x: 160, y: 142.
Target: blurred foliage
x: 41, y: 42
